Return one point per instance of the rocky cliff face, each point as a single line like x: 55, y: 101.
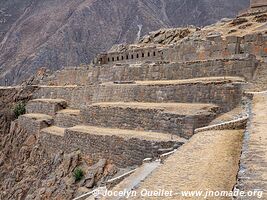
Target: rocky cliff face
x: 53, y: 34
x: 29, y: 171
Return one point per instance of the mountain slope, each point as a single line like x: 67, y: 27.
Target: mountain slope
x: 57, y: 33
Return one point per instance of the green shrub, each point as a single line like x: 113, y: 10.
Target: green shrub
x: 78, y: 174
x: 19, y: 109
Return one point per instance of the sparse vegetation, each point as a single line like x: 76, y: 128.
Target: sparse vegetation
x: 78, y: 174
x: 19, y: 109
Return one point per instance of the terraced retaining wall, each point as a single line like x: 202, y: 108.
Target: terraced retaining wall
x: 123, y: 152
x: 223, y: 93
x: 241, y: 65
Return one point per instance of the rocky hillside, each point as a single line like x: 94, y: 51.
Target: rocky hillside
x: 28, y: 171
x: 53, y: 34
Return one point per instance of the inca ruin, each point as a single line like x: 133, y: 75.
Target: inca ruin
x: 182, y: 109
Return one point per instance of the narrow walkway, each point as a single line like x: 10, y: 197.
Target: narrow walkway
x: 209, y: 161
x: 253, y: 174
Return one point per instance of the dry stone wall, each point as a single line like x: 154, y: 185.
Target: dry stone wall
x: 190, y: 49
x: 233, y: 124
x: 33, y: 125
x: 136, y: 54
x: 242, y: 65
x: 226, y: 95
x: 123, y: 152
x: 68, y: 76
x: 150, y: 119
x: 218, y: 47
x: 223, y: 93
x: 45, y: 106
x: 67, y: 120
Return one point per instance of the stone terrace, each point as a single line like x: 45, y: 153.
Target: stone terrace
x: 130, y: 111
x: 241, y: 65
x: 223, y: 91
x: 185, y: 171
x: 124, y: 147
x: 174, y: 118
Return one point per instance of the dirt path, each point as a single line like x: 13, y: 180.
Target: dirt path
x: 254, y: 157
x: 209, y: 161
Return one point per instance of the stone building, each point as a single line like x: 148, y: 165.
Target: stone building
x: 132, y: 54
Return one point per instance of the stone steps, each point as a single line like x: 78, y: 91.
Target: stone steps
x: 45, y: 106
x: 124, y: 147
x: 34, y: 122
x: 174, y: 118
x: 68, y: 118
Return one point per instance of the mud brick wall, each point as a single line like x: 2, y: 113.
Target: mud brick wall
x: 123, y: 152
